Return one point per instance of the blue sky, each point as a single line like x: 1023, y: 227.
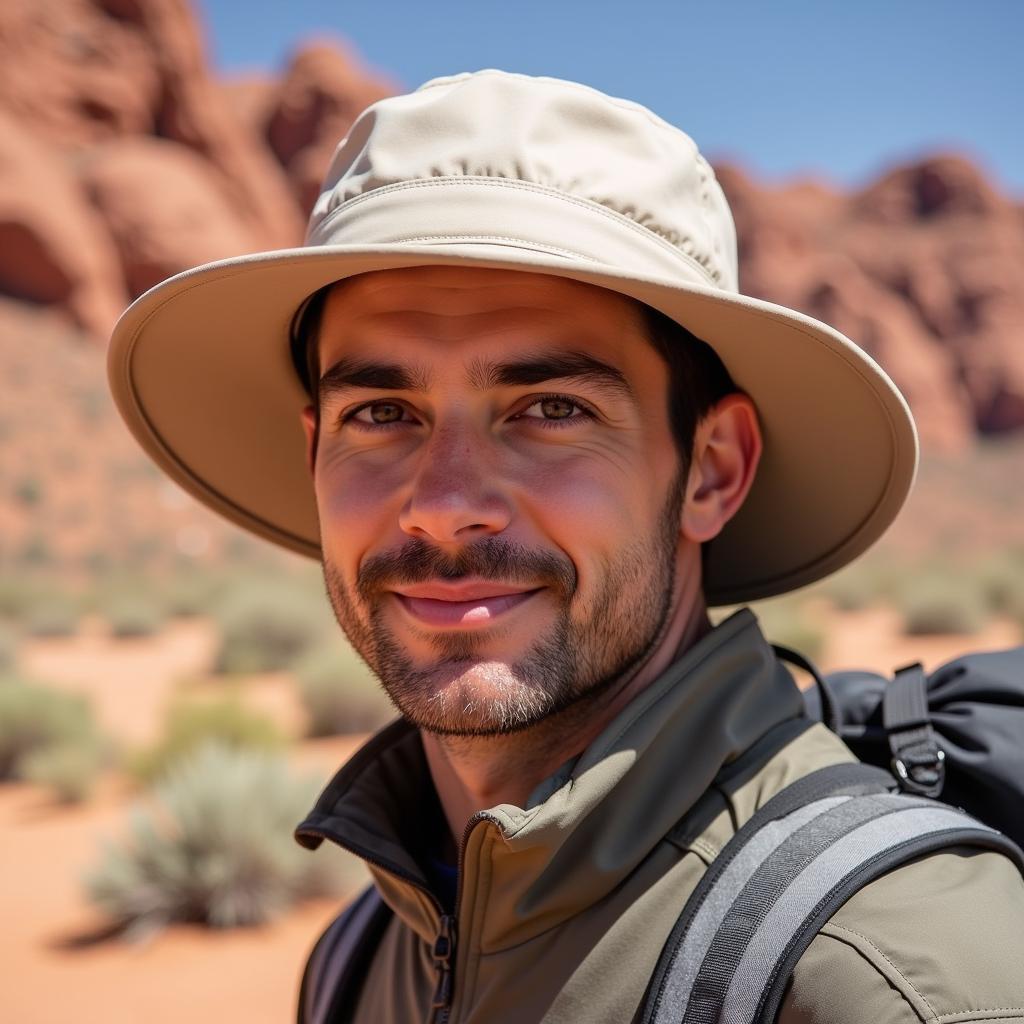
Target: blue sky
x: 785, y: 87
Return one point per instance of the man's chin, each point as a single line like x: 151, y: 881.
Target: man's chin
x: 470, y: 698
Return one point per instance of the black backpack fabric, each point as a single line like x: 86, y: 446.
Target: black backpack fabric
x: 956, y: 734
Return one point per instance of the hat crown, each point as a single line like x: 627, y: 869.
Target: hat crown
x: 578, y: 174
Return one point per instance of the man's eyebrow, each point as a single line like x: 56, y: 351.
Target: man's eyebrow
x: 349, y: 373
x: 575, y: 366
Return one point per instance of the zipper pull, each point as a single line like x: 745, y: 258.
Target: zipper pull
x: 443, y: 952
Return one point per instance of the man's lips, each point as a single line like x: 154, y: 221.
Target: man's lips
x: 460, y: 604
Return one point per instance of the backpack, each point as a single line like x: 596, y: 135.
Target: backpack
x: 958, y: 733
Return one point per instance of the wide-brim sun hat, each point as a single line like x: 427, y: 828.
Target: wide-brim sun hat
x: 500, y: 170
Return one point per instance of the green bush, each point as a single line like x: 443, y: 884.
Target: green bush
x: 1002, y: 583
x: 8, y: 649
x: 191, y: 593
x: 132, y: 615
x: 36, y: 552
x: 340, y: 694
x: 28, y: 491
x: 193, y: 725
x: 21, y: 593
x: 788, y: 623
x: 42, y: 731
x: 934, y: 604
x: 857, y: 586
x: 267, y: 626
x: 52, y: 614
x: 217, y: 848
x: 68, y: 770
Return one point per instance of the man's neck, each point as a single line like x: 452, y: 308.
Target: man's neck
x: 472, y: 773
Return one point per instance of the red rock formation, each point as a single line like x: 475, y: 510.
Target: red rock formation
x: 81, y: 72
x: 939, y: 187
x: 841, y: 294
x: 54, y: 249
x: 923, y: 268
x: 251, y: 98
x: 165, y: 207
x: 195, y: 111
x: 76, y: 72
x: 113, y: 101
x: 323, y: 90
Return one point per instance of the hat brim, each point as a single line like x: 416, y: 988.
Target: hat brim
x: 201, y: 371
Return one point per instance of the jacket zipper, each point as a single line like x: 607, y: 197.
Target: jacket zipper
x: 443, y: 952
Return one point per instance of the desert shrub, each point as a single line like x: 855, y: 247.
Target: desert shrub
x: 191, y: 593
x: 268, y: 625
x: 788, y: 622
x: 35, y: 552
x: 857, y: 586
x: 1002, y: 583
x: 340, y: 694
x: 39, y: 728
x: 52, y: 614
x: 96, y: 561
x: 217, y: 848
x: 8, y: 649
x: 21, y: 592
x: 131, y: 613
x: 68, y: 770
x: 940, y: 603
x: 28, y: 491
x: 193, y: 725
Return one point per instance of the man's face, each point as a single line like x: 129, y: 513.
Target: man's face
x: 498, y: 489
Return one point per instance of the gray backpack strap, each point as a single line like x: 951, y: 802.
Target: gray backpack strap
x: 781, y: 877
x: 340, y: 959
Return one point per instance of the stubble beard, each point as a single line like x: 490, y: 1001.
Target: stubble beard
x: 581, y: 658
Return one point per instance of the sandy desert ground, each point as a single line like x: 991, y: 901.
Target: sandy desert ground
x: 53, y: 971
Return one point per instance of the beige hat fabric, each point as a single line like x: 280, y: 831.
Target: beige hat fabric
x: 500, y: 170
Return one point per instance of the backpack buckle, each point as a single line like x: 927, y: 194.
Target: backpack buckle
x: 923, y: 774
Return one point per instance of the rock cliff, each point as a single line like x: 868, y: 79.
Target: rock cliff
x: 123, y: 159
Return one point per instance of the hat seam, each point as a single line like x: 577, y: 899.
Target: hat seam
x: 528, y: 243
x: 520, y: 184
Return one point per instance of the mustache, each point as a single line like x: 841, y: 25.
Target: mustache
x: 494, y: 559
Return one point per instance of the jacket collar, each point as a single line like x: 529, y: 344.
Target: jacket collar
x: 586, y: 828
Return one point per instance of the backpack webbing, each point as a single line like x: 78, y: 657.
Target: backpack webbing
x: 781, y: 877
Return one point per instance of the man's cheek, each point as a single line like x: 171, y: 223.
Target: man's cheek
x: 582, y: 507
x: 355, y: 497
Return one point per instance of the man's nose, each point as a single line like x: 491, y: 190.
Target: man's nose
x: 456, y: 495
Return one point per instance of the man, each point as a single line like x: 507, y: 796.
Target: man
x: 544, y: 433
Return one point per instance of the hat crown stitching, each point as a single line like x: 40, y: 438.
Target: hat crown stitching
x: 539, y: 132
x: 681, y: 247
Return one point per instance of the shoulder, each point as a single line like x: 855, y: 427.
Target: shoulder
x: 940, y: 939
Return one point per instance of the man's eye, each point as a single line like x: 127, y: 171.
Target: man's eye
x: 556, y: 407
x: 378, y: 414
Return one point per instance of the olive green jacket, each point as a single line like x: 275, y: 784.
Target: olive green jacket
x: 564, y: 905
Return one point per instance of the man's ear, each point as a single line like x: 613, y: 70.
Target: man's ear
x: 726, y: 451
x: 309, y: 428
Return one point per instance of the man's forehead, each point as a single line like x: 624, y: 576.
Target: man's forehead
x: 417, y: 331
x: 467, y: 307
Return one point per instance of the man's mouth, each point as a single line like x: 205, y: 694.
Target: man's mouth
x: 462, y: 603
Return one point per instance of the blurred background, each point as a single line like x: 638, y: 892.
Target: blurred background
x: 172, y: 692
